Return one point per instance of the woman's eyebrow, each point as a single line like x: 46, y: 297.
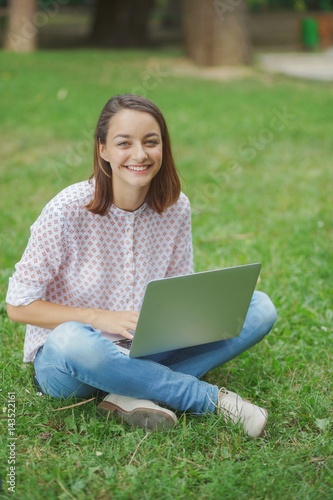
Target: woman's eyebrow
x: 126, y: 136
x: 152, y: 134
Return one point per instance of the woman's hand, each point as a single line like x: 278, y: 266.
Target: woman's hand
x: 119, y: 322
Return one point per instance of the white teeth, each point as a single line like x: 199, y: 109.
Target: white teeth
x: 137, y: 169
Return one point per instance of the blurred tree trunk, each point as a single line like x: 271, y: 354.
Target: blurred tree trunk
x: 121, y: 23
x: 216, y: 32
x: 21, y: 35
x: 172, y: 14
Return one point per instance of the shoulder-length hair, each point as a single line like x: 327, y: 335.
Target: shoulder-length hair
x: 164, y: 189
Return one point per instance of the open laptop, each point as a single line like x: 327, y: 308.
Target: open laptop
x: 191, y: 310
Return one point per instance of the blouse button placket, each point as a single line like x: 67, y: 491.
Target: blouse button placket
x: 129, y: 257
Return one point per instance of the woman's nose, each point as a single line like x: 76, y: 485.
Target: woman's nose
x: 139, y: 153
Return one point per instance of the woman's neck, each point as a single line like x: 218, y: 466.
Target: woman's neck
x: 129, y: 201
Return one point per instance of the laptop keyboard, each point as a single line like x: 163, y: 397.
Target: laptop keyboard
x: 126, y: 343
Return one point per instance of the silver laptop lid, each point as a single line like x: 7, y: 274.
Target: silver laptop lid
x: 194, y: 309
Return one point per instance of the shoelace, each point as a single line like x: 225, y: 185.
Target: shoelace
x: 230, y: 410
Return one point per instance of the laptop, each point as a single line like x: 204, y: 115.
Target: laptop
x: 191, y: 310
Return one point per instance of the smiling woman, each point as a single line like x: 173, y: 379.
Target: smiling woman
x: 132, y: 134
x: 135, y: 156
x: 83, y: 276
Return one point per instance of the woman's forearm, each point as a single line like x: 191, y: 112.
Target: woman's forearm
x: 49, y: 315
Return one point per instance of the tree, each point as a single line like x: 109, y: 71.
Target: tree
x: 121, y: 23
x: 216, y: 32
x: 21, y: 35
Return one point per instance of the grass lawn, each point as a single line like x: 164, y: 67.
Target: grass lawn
x: 256, y: 161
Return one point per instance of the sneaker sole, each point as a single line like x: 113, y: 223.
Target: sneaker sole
x: 149, y: 419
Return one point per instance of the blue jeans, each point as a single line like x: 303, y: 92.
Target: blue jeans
x: 76, y: 360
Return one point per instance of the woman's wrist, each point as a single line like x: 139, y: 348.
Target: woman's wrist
x: 90, y: 316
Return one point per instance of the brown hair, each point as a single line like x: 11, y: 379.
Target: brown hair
x: 164, y: 189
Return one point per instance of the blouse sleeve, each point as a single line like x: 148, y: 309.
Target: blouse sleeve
x: 182, y: 256
x: 41, y: 260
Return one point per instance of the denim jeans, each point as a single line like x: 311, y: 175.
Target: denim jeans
x: 76, y: 360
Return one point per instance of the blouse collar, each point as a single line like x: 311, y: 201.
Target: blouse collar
x: 125, y: 213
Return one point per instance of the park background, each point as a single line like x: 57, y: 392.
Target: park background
x: 252, y: 139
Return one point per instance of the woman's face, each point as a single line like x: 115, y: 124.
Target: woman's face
x: 134, y: 150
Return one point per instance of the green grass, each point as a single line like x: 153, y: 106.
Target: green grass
x: 261, y: 190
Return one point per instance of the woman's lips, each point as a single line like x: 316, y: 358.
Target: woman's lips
x: 137, y: 168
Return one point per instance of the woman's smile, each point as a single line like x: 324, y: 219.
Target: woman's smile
x: 138, y: 169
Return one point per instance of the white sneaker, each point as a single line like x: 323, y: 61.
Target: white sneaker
x: 234, y: 408
x: 138, y: 412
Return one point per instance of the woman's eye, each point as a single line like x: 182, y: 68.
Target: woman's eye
x: 125, y: 143
x: 152, y: 143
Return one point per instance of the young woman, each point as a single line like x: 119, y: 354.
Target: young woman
x: 88, y: 260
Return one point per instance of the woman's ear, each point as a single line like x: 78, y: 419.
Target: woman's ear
x: 102, y: 151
